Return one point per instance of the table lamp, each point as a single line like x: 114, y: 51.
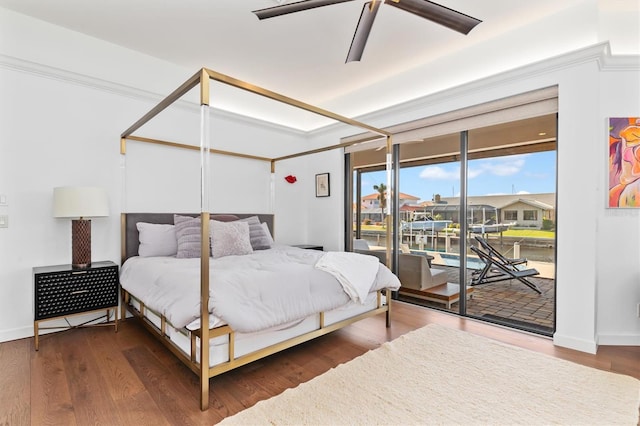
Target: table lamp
x: 79, y: 203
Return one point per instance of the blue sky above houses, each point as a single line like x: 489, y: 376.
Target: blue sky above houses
x: 513, y: 174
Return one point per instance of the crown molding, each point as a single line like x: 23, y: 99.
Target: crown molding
x: 53, y: 73
x: 70, y: 77
x: 599, y: 53
x: 620, y: 63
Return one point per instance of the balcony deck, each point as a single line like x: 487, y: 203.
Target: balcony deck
x: 507, y: 302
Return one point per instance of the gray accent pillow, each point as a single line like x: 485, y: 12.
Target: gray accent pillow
x: 188, y: 236
x: 230, y: 238
x: 260, y: 240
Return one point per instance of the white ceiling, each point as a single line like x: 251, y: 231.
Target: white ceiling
x: 302, y: 55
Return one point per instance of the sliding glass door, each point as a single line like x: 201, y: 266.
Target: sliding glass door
x: 493, y: 231
x: 511, y: 198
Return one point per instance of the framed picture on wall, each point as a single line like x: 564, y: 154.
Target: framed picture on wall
x: 624, y: 162
x: 322, y: 185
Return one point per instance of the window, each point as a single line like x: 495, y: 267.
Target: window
x: 530, y: 215
x: 511, y: 215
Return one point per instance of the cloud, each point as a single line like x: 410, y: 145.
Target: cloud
x: 508, y: 168
x: 437, y: 172
x: 500, y: 166
x: 474, y: 172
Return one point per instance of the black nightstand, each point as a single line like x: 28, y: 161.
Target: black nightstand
x: 61, y: 291
x: 309, y: 246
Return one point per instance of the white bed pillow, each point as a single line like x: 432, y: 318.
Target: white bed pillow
x: 230, y: 238
x: 268, y: 236
x: 156, y: 239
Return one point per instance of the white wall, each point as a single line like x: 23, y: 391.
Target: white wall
x: 160, y: 178
x: 324, y: 218
x: 52, y: 134
x: 618, y: 244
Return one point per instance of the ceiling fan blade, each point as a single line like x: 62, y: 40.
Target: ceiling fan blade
x: 437, y: 13
x: 299, y: 6
x: 362, y: 30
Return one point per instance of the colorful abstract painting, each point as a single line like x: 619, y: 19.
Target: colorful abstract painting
x: 624, y: 162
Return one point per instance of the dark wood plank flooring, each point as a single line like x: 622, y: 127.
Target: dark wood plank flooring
x: 95, y: 376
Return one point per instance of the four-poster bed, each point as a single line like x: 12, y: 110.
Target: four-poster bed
x: 185, y: 340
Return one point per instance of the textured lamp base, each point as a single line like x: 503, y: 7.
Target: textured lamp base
x: 80, y: 243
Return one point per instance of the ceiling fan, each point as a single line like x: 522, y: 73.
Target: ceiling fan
x: 425, y: 9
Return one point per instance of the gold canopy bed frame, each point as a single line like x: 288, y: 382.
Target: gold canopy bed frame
x: 202, y: 79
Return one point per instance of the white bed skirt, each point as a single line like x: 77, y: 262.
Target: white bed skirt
x: 246, y: 343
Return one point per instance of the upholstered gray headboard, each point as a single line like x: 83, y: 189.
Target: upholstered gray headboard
x: 129, y: 230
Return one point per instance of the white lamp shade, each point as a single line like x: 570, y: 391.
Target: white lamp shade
x: 80, y: 201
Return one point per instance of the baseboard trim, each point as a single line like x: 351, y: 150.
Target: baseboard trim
x: 589, y: 346
x: 619, y: 339
x: 27, y: 331
x: 16, y: 334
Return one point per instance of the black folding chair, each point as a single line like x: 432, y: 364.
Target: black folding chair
x: 495, y: 253
x: 496, y: 270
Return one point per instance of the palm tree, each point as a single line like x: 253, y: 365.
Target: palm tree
x: 382, y: 192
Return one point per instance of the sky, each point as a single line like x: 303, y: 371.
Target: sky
x: 514, y: 174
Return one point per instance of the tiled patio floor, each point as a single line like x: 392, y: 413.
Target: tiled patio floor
x: 508, y: 302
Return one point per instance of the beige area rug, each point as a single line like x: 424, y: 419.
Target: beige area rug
x: 437, y: 375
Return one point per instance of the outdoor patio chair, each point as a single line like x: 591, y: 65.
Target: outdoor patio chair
x: 495, y: 269
x: 360, y: 244
x: 495, y: 253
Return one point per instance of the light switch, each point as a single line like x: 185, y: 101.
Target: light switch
x: 4, y: 221
x: 3, y: 200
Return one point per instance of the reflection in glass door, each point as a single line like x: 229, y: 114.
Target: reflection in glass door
x: 429, y: 217
x: 370, y: 200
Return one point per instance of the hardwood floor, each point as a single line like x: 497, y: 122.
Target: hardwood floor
x: 96, y: 376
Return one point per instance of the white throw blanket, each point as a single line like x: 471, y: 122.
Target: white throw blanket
x: 355, y: 272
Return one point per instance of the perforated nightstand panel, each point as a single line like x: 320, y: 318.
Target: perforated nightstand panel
x: 61, y: 291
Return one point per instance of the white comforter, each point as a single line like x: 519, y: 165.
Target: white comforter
x: 250, y: 292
